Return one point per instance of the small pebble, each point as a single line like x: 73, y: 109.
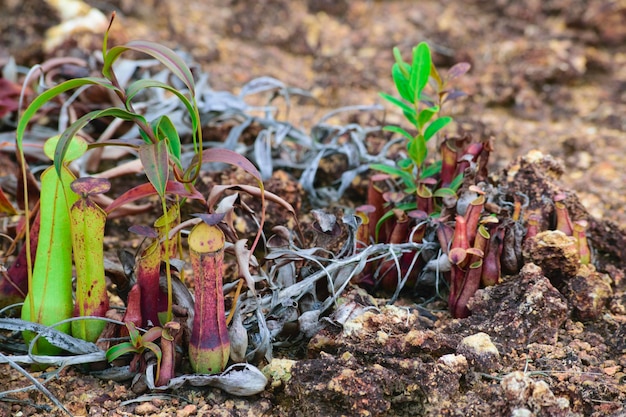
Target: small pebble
x: 186, y: 411
x: 146, y: 409
x: 480, y: 352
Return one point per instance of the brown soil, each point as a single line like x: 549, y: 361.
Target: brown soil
x: 545, y: 75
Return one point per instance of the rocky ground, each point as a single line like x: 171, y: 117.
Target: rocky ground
x: 545, y: 75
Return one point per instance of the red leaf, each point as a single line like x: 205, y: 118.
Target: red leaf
x: 147, y: 190
x: 231, y: 157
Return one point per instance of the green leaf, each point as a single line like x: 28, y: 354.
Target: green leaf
x: 406, y: 177
x: 155, y: 349
x: 436, y: 126
x: 417, y: 150
x: 135, y: 336
x: 157, y: 352
x: 412, y: 117
x: 431, y: 170
x: 160, y: 52
x: 119, y: 350
x: 140, y: 85
x: 155, y: 162
x: 50, y: 94
x: 74, y: 128
x: 144, y: 136
x: 401, y: 81
x: 456, y: 182
x: 130, y: 143
x: 406, y: 108
x: 399, y: 130
x: 444, y: 192
x: 164, y: 129
x: 420, y: 69
x: 405, y: 164
x: 403, y: 66
x: 425, y: 115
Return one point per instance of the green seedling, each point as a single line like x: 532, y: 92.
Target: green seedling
x: 422, y: 112
x: 137, y: 346
x: 473, y: 245
x: 209, y: 345
x: 422, y: 93
x: 49, y: 299
x: 88, y: 221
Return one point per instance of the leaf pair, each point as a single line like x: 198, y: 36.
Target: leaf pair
x: 137, y: 345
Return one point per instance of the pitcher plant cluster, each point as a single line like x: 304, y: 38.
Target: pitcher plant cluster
x: 64, y: 227
x: 445, y: 205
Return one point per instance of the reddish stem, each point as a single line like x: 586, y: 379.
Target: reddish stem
x: 491, y: 265
x: 471, y: 283
x: 448, y: 162
x: 472, y: 216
